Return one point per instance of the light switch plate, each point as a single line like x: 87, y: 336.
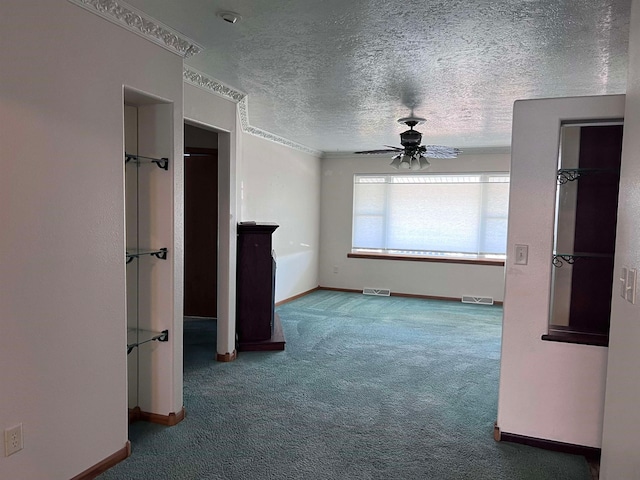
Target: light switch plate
x: 522, y: 254
x: 631, y: 285
x: 623, y: 282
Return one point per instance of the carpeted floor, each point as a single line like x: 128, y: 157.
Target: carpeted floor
x: 367, y: 388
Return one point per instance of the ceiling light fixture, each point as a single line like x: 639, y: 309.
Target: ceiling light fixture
x: 412, y: 155
x: 229, y: 17
x: 410, y: 162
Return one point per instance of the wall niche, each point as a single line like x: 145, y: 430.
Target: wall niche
x: 585, y: 232
x: 148, y: 177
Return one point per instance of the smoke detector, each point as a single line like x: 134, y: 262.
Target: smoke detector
x: 229, y: 17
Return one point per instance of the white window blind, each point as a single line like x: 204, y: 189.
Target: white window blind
x: 445, y: 214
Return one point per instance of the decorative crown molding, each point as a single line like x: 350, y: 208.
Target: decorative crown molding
x: 120, y: 13
x: 199, y: 79
x: 243, y: 109
x: 202, y: 80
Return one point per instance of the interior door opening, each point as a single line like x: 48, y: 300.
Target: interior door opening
x: 200, y: 223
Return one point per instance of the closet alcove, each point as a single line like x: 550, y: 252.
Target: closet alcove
x: 588, y: 180
x: 148, y: 173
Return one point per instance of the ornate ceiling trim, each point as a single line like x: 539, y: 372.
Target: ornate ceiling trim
x: 205, y: 82
x: 120, y: 13
x: 199, y: 79
x: 243, y: 109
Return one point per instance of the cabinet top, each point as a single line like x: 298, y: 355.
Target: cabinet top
x: 267, y: 227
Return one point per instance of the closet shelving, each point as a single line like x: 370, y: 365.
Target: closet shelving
x: 564, y: 176
x: 560, y: 259
x: 584, y: 236
x: 162, y: 163
x: 160, y: 253
x: 136, y: 336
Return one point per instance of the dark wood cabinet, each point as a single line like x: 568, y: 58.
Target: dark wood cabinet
x: 257, y: 325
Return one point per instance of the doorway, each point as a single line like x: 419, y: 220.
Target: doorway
x: 201, y: 223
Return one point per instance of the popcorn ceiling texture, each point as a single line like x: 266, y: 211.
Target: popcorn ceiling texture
x: 336, y: 75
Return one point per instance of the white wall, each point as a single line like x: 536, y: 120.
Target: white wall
x: 62, y: 289
x: 421, y: 278
x: 621, y: 433
x: 282, y: 185
x: 548, y: 390
x: 199, y: 138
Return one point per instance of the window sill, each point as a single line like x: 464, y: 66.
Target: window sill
x: 424, y: 258
x: 578, y: 338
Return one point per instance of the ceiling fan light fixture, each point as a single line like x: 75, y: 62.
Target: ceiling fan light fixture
x: 417, y: 162
x: 405, y: 161
x: 413, y: 155
x: 395, y: 163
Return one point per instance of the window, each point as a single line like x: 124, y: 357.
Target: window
x: 431, y: 214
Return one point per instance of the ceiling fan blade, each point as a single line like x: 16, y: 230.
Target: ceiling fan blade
x: 373, y: 152
x: 440, y: 151
x: 397, y: 149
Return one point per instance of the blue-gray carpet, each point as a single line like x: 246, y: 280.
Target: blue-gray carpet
x: 367, y: 388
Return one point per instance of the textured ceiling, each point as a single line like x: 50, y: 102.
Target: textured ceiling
x: 335, y: 75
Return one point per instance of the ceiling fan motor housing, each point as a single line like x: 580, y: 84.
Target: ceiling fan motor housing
x: 410, y: 138
x: 413, y: 155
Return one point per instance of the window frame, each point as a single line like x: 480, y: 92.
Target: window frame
x: 432, y: 255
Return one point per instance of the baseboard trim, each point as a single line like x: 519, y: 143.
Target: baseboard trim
x: 134, y: 414
x: 336, y: 289
x: 496, y: 432
x: 227, y: 357
x: 106, y: 464
x: 397, y: 294
x: 590, y: 453
x: 295, y: 297
x: 170, y: 420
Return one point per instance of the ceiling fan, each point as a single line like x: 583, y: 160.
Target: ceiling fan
x: 412, y: 155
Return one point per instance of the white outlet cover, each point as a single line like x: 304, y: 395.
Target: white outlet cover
x: 13, y: 440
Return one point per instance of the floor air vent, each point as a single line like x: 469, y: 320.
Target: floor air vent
x: 381, y: 292
x: 479, y: 300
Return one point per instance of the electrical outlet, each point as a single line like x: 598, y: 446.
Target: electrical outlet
x: 13, y: 440
x: 335, y: 269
